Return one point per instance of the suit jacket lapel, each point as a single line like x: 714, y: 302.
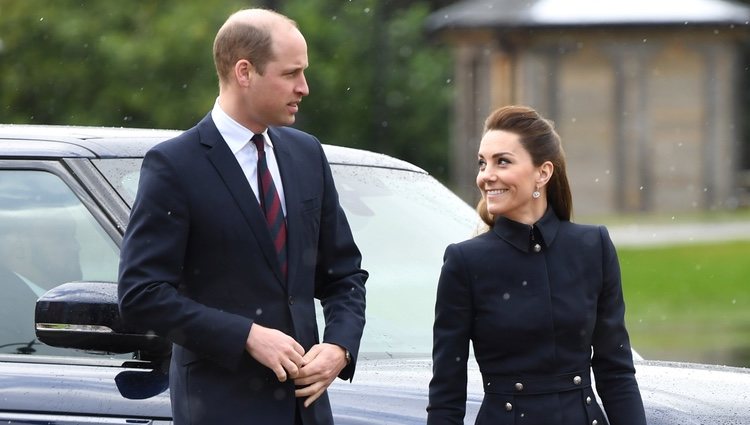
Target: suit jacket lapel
x: 289, y: 179
x: 231, y: 173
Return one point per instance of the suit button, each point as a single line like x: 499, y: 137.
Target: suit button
x: 291, y: 300
x: 588, y: 400
x: 577, y: 380
x: 594, y: 422
x: 537, y: 247
x: 519, y: 386
x: 508, y: 407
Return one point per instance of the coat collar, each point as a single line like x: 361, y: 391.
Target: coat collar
x: 520, y: 235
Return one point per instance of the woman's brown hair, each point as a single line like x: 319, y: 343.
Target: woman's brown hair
x: 541, y: 141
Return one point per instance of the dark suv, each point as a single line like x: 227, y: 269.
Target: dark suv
x: 66, y: 358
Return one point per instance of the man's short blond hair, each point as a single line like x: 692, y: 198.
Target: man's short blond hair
x: 246, y: 34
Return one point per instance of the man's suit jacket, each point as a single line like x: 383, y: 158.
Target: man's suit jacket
x: 198, y: 266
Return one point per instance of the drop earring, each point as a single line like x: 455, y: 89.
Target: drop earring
x: 535, y: 194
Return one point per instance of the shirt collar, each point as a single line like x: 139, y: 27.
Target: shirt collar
x: 235, y: 134
x: 519, y: 234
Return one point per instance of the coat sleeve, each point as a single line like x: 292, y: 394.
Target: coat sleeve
x: 339, y: 278
x: 450, y: 348
x: 612, y: 359
x: 151, y: 267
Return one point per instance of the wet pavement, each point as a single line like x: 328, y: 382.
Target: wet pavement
x: 670, y: 234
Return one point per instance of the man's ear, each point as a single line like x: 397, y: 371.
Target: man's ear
x: 243, y: 72
x: 545, y: 172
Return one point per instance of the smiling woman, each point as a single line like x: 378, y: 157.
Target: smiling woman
x: 538, y: 297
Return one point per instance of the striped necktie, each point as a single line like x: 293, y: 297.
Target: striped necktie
x: 271, y: 205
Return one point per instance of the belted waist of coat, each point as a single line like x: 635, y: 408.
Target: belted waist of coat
x: 531, y: 385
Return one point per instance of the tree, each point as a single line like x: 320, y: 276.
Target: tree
x: 376, y: 82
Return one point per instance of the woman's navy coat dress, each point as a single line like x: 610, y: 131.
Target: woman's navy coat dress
x: 543, y: 306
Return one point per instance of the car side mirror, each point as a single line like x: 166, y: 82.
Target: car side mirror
x: 85, y: 316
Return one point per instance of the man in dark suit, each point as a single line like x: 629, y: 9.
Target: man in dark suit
x: 202, y: 266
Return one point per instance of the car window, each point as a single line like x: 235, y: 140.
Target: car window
x: 47, y: 237
x: 402, y: 221
x: 122, y: 174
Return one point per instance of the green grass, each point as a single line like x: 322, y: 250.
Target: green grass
x: 689, y: 302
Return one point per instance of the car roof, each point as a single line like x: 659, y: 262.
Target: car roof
x: 58, y: 141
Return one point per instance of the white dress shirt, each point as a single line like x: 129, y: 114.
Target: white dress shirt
x: 238, y: 139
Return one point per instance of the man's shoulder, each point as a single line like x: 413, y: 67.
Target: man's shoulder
x: 203, y: 130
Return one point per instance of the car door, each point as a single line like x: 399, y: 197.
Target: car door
x: 53, y: 230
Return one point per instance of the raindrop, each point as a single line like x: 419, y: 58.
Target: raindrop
x: 640, y: 188
x: 734, y: 301
x: 596, y: 180
x: 524, y: 283
x: 448, y: 81
x: 169, y: 212
x: 645, y: 40
x: 458, y: 359
x: 334, y: 17
x: 607, y: 172
x: 506, y: 296
x: 574, y: 119
x: 41, y: 19
x: 348, y: 88
x: 705, y: 189
x: 367, y: 10
x: 259, y: 311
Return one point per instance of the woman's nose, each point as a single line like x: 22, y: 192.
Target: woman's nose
x: 487, y: 176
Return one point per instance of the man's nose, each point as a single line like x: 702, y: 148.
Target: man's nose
x: 302, y: 88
